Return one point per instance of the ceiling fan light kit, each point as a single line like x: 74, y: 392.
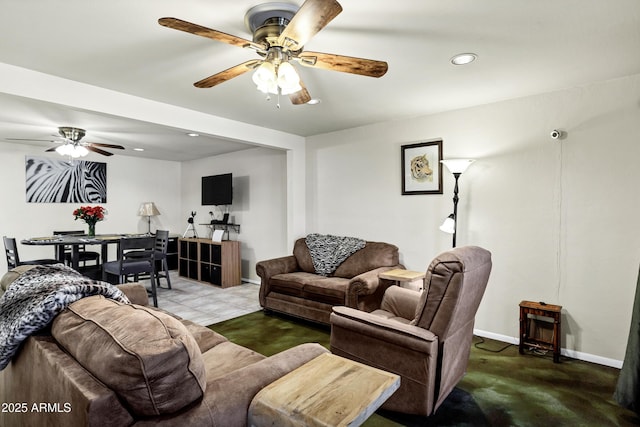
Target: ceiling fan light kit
x: 280, y: 31
x: 72, y: 146
x: 72, y: 150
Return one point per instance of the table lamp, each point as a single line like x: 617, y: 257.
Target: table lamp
x: 148, y: 209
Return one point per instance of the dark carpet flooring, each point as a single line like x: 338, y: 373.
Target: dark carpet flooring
x: 501, y: 387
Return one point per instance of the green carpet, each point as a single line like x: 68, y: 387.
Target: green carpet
x: 501, y: 387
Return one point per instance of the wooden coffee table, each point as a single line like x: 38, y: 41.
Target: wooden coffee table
x: 327, y: 391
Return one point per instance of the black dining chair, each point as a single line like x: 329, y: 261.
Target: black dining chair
x: 142, y: 263
x: 13, y: 259
x: 83, y: 254
x: 162, y: 244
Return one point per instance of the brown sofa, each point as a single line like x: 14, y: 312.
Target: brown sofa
x: 290, y: 284
x: 103, y: 363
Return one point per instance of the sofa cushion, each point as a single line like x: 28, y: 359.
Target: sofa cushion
x: 372, y: 256
x: 329, y: 290
x: 303, y: 257
x: 147, y: 357
x: 291, y: 283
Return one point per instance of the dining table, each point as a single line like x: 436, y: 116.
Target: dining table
x: 75, y: 241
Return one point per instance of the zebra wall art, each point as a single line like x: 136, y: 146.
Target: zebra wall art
x: 60, y: 181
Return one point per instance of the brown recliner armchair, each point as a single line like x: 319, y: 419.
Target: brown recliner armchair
x: 425, y: 338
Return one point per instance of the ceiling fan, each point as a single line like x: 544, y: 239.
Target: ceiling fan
x: 280, y: 31
x: 72, y: 146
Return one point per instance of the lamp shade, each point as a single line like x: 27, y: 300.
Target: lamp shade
x: 457, y: 165
x: 148, y: 209
x: 265, y: 78
x: 288, y: 79
x: 448, y: 225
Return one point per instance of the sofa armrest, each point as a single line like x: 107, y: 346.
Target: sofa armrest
x: 388, y: 330
x: 269, y: 268
x: 229, y: 396
x: 136, y: 293
x: 368, y: 286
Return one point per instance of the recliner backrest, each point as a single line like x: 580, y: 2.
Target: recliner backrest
x: 454, y: 285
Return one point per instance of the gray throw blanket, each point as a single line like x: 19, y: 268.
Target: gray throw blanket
x: 37, y: 296
x: 328, y: 252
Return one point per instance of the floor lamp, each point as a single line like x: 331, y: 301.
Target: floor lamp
x: 457, y: 168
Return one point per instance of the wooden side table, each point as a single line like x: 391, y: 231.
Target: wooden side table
x: 550, y: 311
x: 327, y: 391
x: 404, y: 278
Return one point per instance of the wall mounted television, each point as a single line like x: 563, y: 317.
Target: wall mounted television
x: 217, y: 189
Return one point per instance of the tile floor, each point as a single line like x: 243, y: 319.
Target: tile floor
x: 206, y: 304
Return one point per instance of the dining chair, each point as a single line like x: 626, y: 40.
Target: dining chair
x: 143, y: 262
x: 84, y: 255
x: 13, y: 259
x: 162, y: 244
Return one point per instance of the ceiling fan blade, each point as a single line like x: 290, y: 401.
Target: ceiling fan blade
x: 300, y: 97
x: 312, y: 17
x: 50, y: 149
x: 345, y: 64
x: 29, y: 139
x: 199, y: 30
x: 97, y: 150
x: 99, y: 144
x: 227, y: 74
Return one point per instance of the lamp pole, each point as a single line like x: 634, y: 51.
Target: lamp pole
x: 456, y: 175
x: 457, y: 168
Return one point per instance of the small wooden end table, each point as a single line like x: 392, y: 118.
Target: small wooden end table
x: 404, y: 278
x: 327, y: 391
x: 550, y: 311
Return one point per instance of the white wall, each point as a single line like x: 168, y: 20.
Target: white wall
x: 259, y: 201
x: 130, y: 181
x: 560, y: 217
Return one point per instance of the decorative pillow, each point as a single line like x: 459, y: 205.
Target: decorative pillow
x: 147, y: 357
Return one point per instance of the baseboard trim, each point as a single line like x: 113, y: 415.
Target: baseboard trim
x: 592, y: 358
x: 255, y: 282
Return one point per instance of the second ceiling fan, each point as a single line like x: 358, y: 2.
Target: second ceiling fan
x: 280, y: 31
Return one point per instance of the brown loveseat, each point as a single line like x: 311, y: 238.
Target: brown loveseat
x: 104, y: 363
x: 291, y: 285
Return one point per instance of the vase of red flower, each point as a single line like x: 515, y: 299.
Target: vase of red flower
x: 91, y: 215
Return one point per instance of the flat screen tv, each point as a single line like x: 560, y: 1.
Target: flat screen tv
x: 217, y: 189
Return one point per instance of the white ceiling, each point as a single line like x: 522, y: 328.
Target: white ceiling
x: 524, y: 47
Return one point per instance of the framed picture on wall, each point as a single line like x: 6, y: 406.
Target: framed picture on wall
x: 51, y: 180
x: 421, y: 168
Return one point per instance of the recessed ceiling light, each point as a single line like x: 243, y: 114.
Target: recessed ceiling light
x: 313, y: 101
x: 138, y: 149
x: 193, y: 134
x: 463, y: 58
